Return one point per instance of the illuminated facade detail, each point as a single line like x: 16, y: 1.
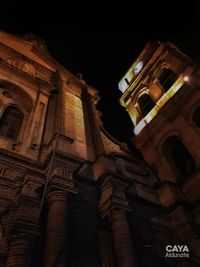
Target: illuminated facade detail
x: 186, y: 78
x: 138, y: 67
x: 167, y: 134
x: 159, y: 104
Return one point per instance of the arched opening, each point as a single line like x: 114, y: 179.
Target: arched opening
x: 19, y: 96
x: 179, y: 158
x: 196, y: 117
x: 167, y: 78
x: 146, y: 104
x: 10, y: 122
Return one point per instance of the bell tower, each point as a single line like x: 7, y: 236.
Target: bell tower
x: 161, y: 94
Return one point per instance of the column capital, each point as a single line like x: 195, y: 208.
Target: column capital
x: 57, y: 195
x: 113, y: 195
x: 18, y: 236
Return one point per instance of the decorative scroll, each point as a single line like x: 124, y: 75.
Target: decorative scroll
x: 22, y: 65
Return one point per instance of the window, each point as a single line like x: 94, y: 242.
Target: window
x: 146, y: 104
x: 196, y: 117
x: 167, y: 78
x: 10, y: 122
x: 178, y: 157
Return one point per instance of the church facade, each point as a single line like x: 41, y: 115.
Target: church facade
x: 72, y: 195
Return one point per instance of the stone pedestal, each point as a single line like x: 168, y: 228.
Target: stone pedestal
x: 56, y: 241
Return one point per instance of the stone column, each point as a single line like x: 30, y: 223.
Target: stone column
x: 19, y: 249
x: 122, y: 239
x: 24, y: 217
x: 114, y: 205
x: 56, y: 241
x: 106, y: 249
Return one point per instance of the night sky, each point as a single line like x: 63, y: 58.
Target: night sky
x: 101, y: 42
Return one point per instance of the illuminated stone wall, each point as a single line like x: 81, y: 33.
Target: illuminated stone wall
x: 70, y: 194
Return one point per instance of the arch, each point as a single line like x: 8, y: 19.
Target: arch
x: 178, y: 157
x: 196, y: 117
x: 167, y: 78
x: 11, y: 122
x: 16, y: 94
x: 146, y: 103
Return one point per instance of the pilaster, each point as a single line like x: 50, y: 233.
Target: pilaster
x: 114, y: 206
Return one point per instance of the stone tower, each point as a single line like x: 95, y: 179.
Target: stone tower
x: 161, y: 94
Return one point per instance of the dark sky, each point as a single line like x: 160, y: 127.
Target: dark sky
x: 102, y: 42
